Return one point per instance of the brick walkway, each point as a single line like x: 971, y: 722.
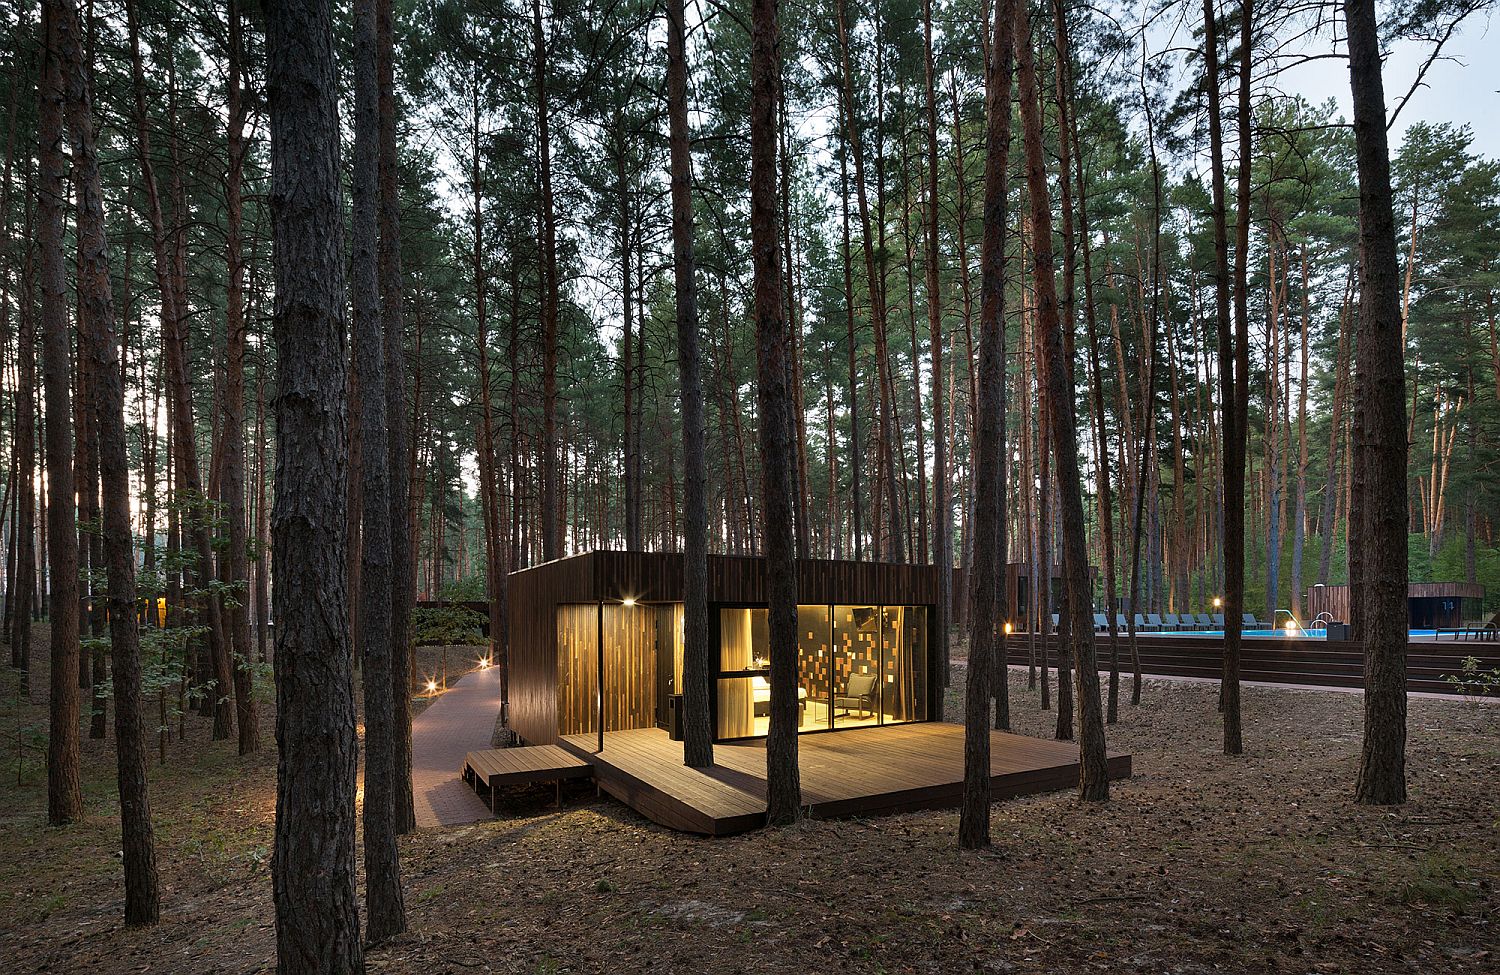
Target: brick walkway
x: 458, y: 722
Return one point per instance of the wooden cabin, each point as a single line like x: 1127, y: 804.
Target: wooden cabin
x: 1429, y: 605
x: 598, y: 638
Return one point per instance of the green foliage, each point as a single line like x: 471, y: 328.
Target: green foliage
x: 445, y: 625
x: 1474, y: 683
x: 471, y: 588
x: 1451, y: 564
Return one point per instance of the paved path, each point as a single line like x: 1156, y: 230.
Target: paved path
x: 458, y: 722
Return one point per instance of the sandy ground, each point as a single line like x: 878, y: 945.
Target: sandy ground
x: 1200, y: 863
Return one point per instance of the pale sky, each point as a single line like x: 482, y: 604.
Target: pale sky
x: 1463, y: 87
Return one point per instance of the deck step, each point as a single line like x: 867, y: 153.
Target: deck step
x: 490, y: 769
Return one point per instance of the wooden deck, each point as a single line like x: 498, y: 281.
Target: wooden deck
x: 494, y: 768
x: 866, y: 771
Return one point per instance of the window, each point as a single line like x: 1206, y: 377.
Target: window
x: 858, y: 666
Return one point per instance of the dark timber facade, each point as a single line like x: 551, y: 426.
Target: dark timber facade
x: 864, y: 634
x: 1429, y: 605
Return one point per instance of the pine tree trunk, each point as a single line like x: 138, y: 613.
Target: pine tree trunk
x: 1380, y: 506
x: 64, y: 793
x: 91, y: 670
x: 12, y: 487
x: 893, y: 551
x: 774, y: 404
x: 1299, y: 503
x: 552, y: 527
x: 1096, y: 386
x: 489, y: 478
x: 383, y: 900
x: 1094, y: 779
x: 233, y: 485
x: 23, y: 591
x: 630, y: 453
x: 697, y: 657
x: 1275, y: 456
x: 856, y: 493
x: 942, y: 546
x: 1328, y: 519
x: 1232, y: 432
x: 986, y: 639
x: 398, y: 434
x: 171, y: 284
x: 99, y: 354
x: 313, y: 862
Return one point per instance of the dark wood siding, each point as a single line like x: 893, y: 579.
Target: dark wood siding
x: 1334, y: 600
x: 656, y: 577
x: 534, y: 595
x: 1295, y: 661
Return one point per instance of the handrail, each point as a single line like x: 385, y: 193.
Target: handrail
x: 1289, y: 615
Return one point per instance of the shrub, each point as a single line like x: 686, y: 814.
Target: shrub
x: 1474, y: 683
x: 439, y: 626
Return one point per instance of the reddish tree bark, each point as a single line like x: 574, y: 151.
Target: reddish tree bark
x: 99, y: 353
x: 64, y: 793
x: 986, y: 640
x: 1092, y: 760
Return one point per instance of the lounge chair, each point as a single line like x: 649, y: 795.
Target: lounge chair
x: 1101, y: 623
x: 1120, y: 625
x: 1055, y: 624
x: 1154, y: 620
x: 1480, y: 629
x: 1171, y: 622
x: 1251, y: 623
x: 859, y: 695
x: 1141, y: 626
x: 1216, y: 622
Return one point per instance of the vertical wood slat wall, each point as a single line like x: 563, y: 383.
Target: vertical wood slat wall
x: 630, y: 636
x: 1334, y: 600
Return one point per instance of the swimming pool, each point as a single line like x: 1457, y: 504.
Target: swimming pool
x: 1311, y: 633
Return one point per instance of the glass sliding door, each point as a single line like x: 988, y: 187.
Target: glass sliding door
x: 814, y: 668
x: 743, y: 700
x: 856, y: 666
x: 903, y: 664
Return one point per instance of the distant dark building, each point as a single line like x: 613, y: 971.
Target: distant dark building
x: 1429, y: 605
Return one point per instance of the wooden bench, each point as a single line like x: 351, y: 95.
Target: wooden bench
x: 494, y: 768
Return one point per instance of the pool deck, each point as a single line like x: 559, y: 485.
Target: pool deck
x: 1299, y: 662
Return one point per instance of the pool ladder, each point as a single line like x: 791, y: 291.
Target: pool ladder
x: 1277, y: 615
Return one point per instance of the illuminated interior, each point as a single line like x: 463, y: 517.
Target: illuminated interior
x: 858, y: 666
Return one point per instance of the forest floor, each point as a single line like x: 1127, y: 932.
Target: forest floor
x: 1200, y: 863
